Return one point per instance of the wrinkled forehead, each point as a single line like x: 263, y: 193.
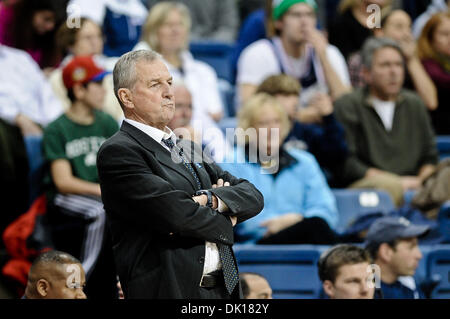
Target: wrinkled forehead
x: 152, y: 70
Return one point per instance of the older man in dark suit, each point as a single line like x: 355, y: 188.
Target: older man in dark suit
x: 171, y: 217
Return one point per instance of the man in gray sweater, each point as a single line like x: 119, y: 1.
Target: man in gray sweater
x: 391, y: 142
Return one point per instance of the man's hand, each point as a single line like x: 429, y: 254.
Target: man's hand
x: 408, y: 46
x: 27, y: 126
x: 277, y: 224
x: 322, y: 102
x: 203, y: 199
x: 317, y: 39
x: 410, y: 182
x: 308, y: 115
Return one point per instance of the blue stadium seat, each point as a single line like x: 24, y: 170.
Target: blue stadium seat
x: 216, y: 54
x: 227, y: 94
x: 291, y: 270
x: 353, y: 203
x: 443, y: 146
x: 438, y: 265
x: 444, y: 221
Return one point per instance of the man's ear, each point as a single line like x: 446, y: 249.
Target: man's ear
x: 78, y: 91
x: 366, y: 74
x: 42, y: 287
x: 385, y: 252
x: 126, y: 97
x: 328, y: 288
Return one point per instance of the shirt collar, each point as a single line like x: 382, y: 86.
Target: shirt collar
x: 153, y: 132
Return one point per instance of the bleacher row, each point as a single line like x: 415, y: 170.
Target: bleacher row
x: 291, y: 270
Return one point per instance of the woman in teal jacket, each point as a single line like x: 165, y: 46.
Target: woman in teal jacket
x: 299, y: 207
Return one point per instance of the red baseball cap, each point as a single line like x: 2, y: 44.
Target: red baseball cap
x: 81, y: 70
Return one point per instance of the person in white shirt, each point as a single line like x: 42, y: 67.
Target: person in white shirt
x: 26, y: 97
x: 297, y: 49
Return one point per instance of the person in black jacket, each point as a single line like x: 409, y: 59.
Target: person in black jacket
x: 171, y: 214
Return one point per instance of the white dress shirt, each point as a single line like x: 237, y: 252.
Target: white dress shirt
x: 212, y: 258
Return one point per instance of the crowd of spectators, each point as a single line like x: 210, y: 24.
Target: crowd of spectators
x: 341, y: 94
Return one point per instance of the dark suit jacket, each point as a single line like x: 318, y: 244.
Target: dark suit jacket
x: 158, y: 231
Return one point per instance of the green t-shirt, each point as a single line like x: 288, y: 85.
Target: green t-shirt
x: 78, y: 143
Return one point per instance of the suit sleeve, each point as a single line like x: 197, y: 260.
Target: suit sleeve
x: 242, y: 198
x: 132, y: 192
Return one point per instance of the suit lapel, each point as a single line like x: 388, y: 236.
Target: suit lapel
x: 161, y: 154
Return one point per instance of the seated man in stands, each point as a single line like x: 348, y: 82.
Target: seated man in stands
x: 255, y: 286
x: 324, y: 139
x: 212, y: 139
x: 297, y: 48
x: 389, y: 135
x: 55, y: 275
x: 393, y: 245
x: 345, y: 273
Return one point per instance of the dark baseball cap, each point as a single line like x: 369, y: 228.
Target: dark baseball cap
x: 388, y: 229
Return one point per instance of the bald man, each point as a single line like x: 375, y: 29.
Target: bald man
x: 255, y: 286
x: 55, y: 275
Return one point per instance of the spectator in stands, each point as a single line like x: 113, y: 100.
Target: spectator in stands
x: 436, y: 6
x: 167, y: 31
x: 254, y: 286
x: 213, y: 141
x: 299, y: 50
x: 396, y: 25
x: 31, y: 26
x: 345, y: 273
x: 70, y: 146
x: 325, y: 140
x: 55, y: 275
x: 299, y: 206
x: 434, y: 51
x: 353, y: 19
x: 27, y: 104
x: 391, y: 143
x: 83, y: 41
x: 393, y: 245
x: 212, y: 20
x: 121, y: 21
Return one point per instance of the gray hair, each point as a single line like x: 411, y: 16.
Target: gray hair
x: 374, y: 44
x: 124, y: 74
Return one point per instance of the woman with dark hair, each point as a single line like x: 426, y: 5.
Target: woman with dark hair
x: 30, y: 25
x: 434, y: 51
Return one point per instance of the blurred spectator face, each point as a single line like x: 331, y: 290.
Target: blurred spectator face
x: 398, y: 26
x: 183, y: 108
x: 387, y: 73
x: 299, y: 19
x: 351, y: 283
x: 289, y: 103
x: 172, y: 33
x: 404, y: 258
x: 62, y: 282
x: 92, y: 95
x: 267, y: 119
x: 89, y: 40
x: 43, y: 21
x: 441, y: 38
x: 258, y: 287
